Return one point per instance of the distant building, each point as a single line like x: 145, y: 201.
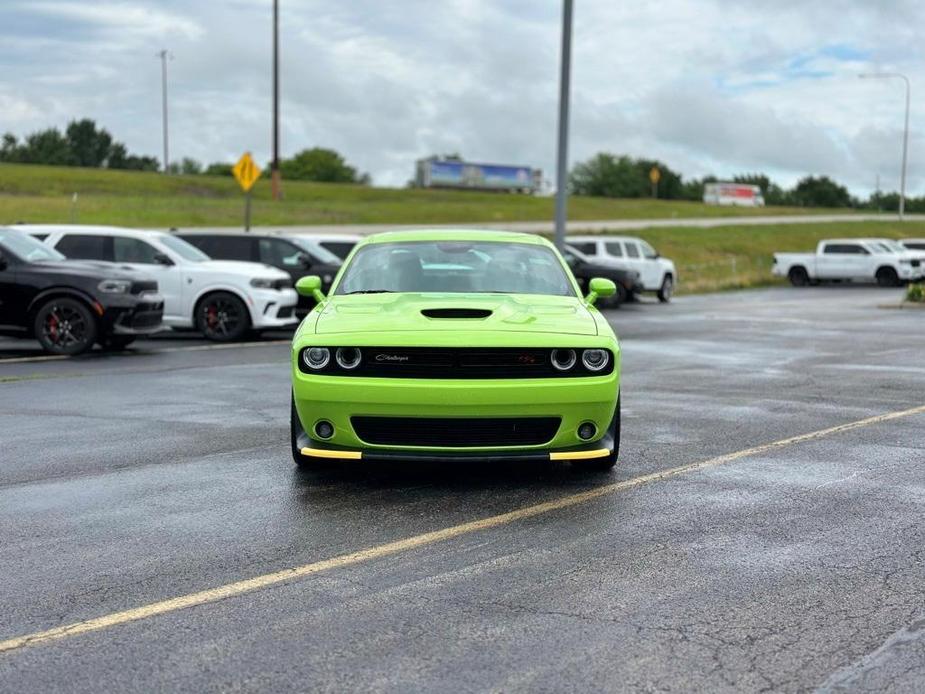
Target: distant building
x: 446, y: 173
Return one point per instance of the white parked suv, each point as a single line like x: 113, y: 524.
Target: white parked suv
x: 223, y: 299
x: 656, y: 274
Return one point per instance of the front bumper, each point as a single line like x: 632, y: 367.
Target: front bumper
x: 273, y: 308
x: 134, y: 315
x: 337, y: 399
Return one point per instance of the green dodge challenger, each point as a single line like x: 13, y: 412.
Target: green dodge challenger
x: 455, y: 346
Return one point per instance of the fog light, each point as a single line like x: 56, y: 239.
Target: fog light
x: 324, y: 429
x: 563, y: 359
x: 595, y: 359
x: 316, y: 357
x: 348, y: 357
x: 587, y: 431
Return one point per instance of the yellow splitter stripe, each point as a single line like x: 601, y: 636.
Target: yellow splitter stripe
x: 379, y: 551
x: 357, y: 455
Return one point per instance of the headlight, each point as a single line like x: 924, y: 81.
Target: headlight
x: 115, y: 286
x: 563, y: 359
x: 316, y: 357
x: 263, y: 283
x: 348, y: 357
x: 595, y: 359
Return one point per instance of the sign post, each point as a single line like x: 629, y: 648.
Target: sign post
x: 246, y: 172
x: 654, y: 176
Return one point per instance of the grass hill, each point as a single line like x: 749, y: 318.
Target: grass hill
x: 46, y: 194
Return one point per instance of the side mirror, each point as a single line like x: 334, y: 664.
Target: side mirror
x: 310, y: 285
x: 162, y: 259
x: 600, y: 288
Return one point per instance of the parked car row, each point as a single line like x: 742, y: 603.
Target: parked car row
x: 887, y: 262
x: 223, y: 284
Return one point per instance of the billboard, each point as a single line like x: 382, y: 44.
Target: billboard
x: 460, y: 174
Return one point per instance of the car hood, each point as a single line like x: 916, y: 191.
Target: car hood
x: 241, y: 267
x: 88, y: 268
x: 455, y: 312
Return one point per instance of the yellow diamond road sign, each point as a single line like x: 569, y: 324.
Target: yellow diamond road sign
x: 246, y: 172
x: 654, y: 174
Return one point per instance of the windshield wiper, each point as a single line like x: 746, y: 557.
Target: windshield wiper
x: 371, y: 291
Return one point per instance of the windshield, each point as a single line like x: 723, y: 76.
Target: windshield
x: 481, y: 267
x: 893, y: 246
x: 27, y: 248
x: 185, y: 250
x: 317, y: 250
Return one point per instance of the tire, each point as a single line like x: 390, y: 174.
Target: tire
x: 295, y: 430
x: 65, y: 326
x: 222, y: 317
x: 116, y: 343
x: 798, y: 276
x: 666, y: 291
x: 887, y: 277
x: 606, y: 463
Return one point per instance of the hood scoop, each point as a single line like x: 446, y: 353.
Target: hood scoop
x: 456, y: 312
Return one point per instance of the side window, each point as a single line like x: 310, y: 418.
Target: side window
x: 916, y: 246
x: 281, y: 253
x: 588, y: 247
x: 614, y: 248
x: 844, y: 249
x: 339, y: 248
x: 648, y: 252
x: 225, y: 247
x: 83, y: 247
x: 632, y: 250
x: 126, y: 250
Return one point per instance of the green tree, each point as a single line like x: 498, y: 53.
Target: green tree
x: 88, y: 145
x: 319, y: 164
x: 820, y: 191
x: 612, y: 176
x: 218, y: 169
x: 190, y: 166
x: 46, y: 147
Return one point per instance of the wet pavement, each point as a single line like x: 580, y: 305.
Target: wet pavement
x: 127, y: 480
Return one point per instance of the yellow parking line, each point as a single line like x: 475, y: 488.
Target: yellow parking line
x: 267, y: 580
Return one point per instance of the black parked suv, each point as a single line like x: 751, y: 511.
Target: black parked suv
x: 287, y: 254
x: 584, y: 269
x: 68, y: 305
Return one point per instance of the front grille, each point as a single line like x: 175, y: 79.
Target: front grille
x: 144, y: 286
x: 457, y: 363
x: 453, y: 432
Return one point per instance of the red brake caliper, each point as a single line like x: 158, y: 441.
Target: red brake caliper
x: 53, y: 327
x: 212, y: 316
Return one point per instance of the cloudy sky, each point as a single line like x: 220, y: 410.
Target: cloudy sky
x: 708, y: 86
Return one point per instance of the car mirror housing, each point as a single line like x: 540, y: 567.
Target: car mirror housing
x: 310, y: 285
x: 600, y: 287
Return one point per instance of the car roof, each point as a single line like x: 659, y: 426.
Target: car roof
x: 912, y: 240
x: 455, y: 235
x: 85, y: 229
x: 601, y: 237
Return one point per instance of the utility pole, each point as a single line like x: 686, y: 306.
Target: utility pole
x: 274, y: 167
x: 565, y: 65
x: 902, y: 180
x: 164, y: 55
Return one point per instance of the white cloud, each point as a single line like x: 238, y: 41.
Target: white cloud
x: 710, y: 87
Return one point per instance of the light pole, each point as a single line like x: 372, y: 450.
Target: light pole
x: 902, y: 180
x: 274, y: 167
x: 562, y: 151
x: 164, y: 55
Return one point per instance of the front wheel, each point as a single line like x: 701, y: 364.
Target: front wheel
x: 798, y: 276
x: 65, y: 326
x: 887, y: 277
x: 666, y: 291
x: 222, y: 317
x: 606, y: 463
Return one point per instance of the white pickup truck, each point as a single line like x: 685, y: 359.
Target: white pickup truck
x: 850, y: 260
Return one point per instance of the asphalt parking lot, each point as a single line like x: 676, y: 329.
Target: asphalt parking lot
x: 781, y: 563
